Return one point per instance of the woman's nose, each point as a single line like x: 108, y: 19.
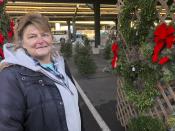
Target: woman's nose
x: 40, y: 39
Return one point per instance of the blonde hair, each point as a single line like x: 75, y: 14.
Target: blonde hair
x: 36, y: 19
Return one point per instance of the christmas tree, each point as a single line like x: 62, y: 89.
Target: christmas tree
x: 6, y: 27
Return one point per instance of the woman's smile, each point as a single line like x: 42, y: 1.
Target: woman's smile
x: 41, y: 46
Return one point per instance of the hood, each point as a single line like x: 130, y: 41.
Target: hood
x: 18, y: 57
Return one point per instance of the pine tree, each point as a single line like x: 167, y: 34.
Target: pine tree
x: 6, y: 27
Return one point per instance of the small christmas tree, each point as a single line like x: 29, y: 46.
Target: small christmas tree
x: 6, y: 27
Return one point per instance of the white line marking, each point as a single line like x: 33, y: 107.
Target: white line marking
x: 92, y: 109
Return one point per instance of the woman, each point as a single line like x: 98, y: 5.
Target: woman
x: 37, y: 92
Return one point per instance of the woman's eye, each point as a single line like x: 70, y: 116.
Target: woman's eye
x: 32, y: 36
x: 45, y: 35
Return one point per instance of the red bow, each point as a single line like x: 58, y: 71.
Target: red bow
x: 1, y: 1
x: 1, y: 53
x: 11, y: 30
x: 10, y: 34
x: 164, y: 36
x: 115, y: 50
x: 1, y: 39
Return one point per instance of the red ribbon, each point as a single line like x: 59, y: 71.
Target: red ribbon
x: 1, y: 1
x: 115, y: 50
x: 164, y: 37
x: 11, y: 30
x: 1, y: 39
x: 10, y: 34
x: 1, y: 53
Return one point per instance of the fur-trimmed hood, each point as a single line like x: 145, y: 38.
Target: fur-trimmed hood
x: 4, y: 65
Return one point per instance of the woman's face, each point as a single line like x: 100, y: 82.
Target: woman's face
x: 37, y: 42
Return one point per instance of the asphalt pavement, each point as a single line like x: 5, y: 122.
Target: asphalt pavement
x: 100, y: 89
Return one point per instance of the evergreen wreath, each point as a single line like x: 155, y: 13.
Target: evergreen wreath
x: 139, y: 77
x: 140, y: 84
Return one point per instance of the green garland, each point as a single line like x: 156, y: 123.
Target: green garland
x: 148, y: 15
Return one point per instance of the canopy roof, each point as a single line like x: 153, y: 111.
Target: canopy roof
x: 65, y: 10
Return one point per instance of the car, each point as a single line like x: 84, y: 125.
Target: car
x: 59, y: 35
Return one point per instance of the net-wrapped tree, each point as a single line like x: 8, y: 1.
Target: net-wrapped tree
x: 6, y: 27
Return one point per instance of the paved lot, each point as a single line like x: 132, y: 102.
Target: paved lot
x: 100, y: 89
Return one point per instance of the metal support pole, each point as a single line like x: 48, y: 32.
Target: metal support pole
x: 97, y: 23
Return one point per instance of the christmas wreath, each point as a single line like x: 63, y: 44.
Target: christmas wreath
x: 139, y: 86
